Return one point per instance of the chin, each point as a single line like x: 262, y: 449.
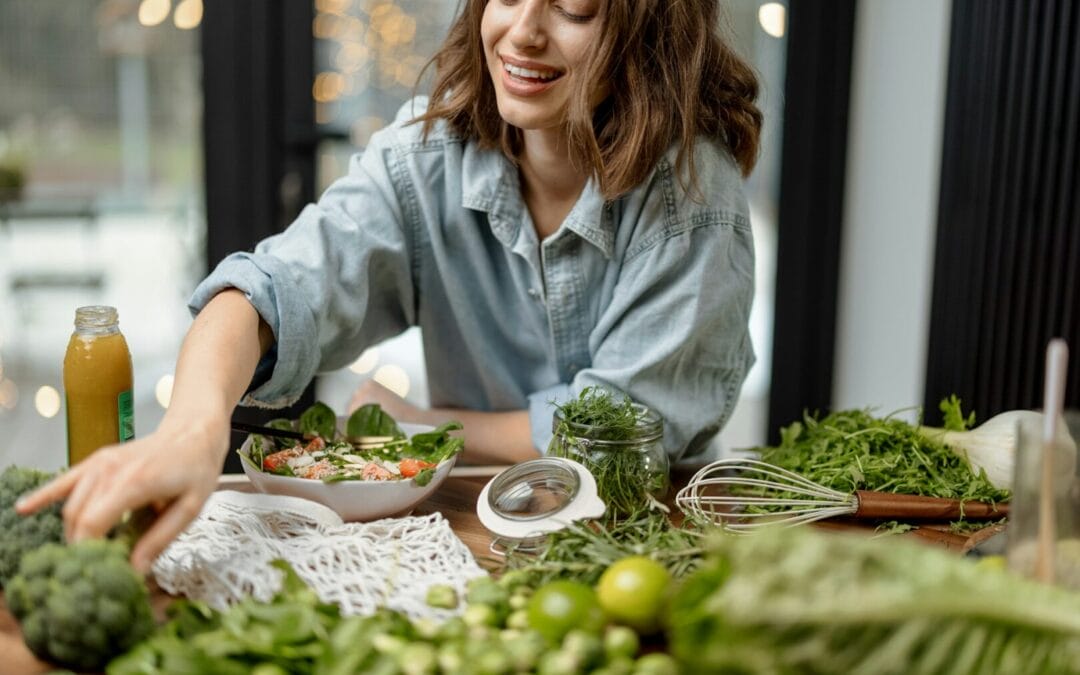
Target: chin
x: 527, y: 116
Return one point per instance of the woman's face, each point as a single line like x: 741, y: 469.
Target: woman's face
x: 533, y: 47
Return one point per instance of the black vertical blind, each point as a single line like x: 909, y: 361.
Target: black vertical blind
x: 812, y: 174
x: 258, y: 133
x: 1008, y: 242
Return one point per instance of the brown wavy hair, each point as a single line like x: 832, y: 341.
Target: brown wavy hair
x: 670, y: 75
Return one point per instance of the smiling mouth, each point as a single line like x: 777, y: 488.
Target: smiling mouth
x: 530, y: 75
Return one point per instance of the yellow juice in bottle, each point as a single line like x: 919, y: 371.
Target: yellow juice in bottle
x: 97, y: 383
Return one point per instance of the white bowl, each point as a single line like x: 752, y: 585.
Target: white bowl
x: 354, y: 500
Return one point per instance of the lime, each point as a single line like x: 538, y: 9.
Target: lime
x: 559, y: 606
x: 633, y: 591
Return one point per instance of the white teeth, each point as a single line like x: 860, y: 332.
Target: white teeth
x: 531, y: 74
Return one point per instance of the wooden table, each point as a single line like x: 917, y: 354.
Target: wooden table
x: 456, y: 500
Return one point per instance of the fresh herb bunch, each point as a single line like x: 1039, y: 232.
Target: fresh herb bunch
x: 582, y: 551
x: 615, y: 414
x: 853, y: 450
x: 603, y: 430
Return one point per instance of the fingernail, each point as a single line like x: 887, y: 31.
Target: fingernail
x: 20, y: 503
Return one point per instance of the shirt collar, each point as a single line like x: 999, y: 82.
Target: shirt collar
x: 490, y: 183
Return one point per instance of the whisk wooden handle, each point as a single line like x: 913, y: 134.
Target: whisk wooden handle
x: 913, y: 507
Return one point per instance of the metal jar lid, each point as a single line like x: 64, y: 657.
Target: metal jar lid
x: 537, y: 497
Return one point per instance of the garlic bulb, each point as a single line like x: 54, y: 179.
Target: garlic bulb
x: 991, y: 446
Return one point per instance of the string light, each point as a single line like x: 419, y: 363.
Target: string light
x: 9, y: 394
x: 368, y: 360
x: 163, y: 390
x: 188, y: 14
x: 47, y: 401
x: 773, y: 18
x: 393, y: 378
x: 328, y: 86
x: 153, y: 12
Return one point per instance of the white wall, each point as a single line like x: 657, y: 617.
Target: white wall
x: 890, y: 212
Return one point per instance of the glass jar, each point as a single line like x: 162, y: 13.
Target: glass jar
x: 97, y: 383
x: 631, y: 468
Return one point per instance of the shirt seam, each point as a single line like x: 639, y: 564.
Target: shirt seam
x: 400, y: 177
x: 694, y: 222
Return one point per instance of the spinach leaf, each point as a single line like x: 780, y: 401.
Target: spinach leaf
x: 436, y: 445
x: 320, y: 420
x: 282, y: 424
x: 423, y: 477
x: 372, y: 420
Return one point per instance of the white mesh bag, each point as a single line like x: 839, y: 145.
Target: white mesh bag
x: 224, y: 555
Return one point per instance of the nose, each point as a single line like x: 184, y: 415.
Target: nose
x: 527, y: 30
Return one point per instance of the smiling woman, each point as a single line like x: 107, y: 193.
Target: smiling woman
x: 564, y: 212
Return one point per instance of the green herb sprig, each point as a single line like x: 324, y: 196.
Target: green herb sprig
x: 582, y: 551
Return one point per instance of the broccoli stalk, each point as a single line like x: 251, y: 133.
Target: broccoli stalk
x: 19, y: 534
x: 80, y: 605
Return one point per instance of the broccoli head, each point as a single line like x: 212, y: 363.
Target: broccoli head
x: 80, y: 605
x: 19, y: 534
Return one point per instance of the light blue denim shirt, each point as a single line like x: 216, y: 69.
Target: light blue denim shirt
x: 649, y: 293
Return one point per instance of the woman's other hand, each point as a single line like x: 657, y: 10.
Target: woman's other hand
x: 172, y: 470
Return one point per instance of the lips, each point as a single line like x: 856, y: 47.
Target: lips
x: 527, y: 78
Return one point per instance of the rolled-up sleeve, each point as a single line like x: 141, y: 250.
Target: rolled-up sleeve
x: 334, y: 282
x: 675, y: 335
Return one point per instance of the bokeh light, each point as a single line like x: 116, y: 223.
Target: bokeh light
x: 393, y: 378
x: 367, y: 361
x: 163, y: 390
x: 47, y: 401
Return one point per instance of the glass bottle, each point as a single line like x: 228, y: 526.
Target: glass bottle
x: 97, y: 383
x: 631, y: 469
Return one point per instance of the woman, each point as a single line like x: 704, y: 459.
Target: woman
x: 565, y: 211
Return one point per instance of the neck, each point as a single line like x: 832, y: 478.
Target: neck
x: 547, y: 170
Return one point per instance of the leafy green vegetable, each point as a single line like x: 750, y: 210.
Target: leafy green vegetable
x: 615, y: 413
x: 954, y: 416
x: 793, y: 600
x: 423, y: 477
x: 281, y: 423
x: 372, y: 420
x: 436, y: 445
x: 319, y: 420
x: 852, y: 450
x: 604, y: 431
x: 582, y: 551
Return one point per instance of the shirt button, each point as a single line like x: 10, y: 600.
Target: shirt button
x: 573, y: 368
x: 534, y: 293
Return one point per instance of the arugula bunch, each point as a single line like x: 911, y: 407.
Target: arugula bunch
x: 852, y: 450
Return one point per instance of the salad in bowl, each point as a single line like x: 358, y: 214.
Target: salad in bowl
x: 364, y: 466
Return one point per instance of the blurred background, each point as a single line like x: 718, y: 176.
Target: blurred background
x: 912, y: 214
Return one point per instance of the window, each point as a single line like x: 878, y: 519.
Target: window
x: 100, y: 153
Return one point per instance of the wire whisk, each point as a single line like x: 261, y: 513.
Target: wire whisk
x: 744, y: 494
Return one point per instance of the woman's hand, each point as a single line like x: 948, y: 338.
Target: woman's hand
x: 173, y: 470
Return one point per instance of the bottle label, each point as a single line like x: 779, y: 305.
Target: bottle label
x: 125, y: 409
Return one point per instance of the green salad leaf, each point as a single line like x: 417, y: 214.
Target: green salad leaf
x: 282, y: 424
x: 372, y: 420
x: 436, y: 445
x: 320, y: 420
